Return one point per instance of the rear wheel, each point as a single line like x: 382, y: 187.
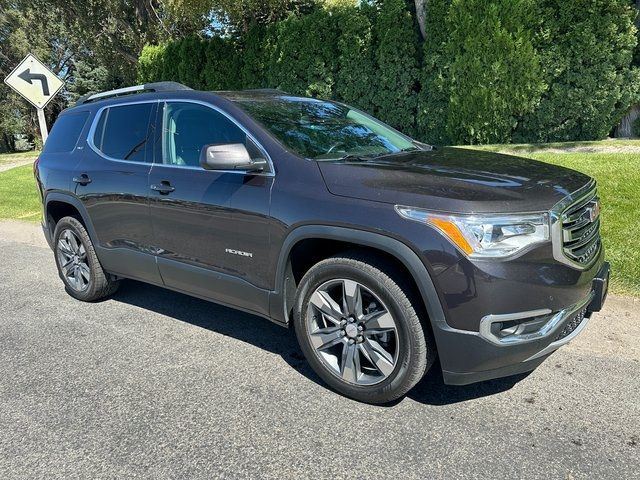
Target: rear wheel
x: 359, y: 330
x: 78, y: 265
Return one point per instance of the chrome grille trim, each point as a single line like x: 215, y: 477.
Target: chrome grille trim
x: 575, y: 234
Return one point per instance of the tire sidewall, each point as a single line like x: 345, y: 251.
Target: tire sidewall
x: 407, y: 336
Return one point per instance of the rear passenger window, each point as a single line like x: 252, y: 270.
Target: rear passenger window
x: 122, y: 132
x: 65, y: 132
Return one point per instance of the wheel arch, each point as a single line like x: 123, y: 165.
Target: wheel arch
x: 55, y: 202
x: 282, y: 301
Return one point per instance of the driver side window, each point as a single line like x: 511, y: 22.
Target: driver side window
x: 187, y: 127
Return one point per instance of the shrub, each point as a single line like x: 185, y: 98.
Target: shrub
x: 190, y: 61
x: 252, y: 64
x: 586, y: 48
x: 355, y: 68
x: 395, y: 80
x: 433, y: 99
x: 151, y: 64
x: 302, y: 54
x: 493, y: 75
x: 222, y: 65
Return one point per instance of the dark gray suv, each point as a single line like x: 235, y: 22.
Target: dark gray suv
x: 382, y: 252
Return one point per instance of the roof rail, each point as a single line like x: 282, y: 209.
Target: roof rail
x: 147, y: 87
x: 266, y: 90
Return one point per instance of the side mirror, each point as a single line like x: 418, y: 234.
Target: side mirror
x: 229, y: 156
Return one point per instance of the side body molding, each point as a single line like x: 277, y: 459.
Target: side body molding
x: 279, y: 307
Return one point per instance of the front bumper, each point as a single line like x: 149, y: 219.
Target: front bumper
x: 470, y: 356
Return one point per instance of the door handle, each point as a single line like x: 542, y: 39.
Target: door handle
x: 82, y: 179
x: 164, y: 187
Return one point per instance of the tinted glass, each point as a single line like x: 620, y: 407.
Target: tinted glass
x: 187, y: 127
x: 324, y: 130
x: 122, y: 132
x: 66, y: 132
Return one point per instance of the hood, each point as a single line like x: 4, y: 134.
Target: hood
x: 454, y: 180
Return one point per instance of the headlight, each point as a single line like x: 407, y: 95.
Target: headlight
x: 486, y: 236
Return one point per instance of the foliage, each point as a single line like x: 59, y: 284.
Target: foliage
x: 586, y: 49
x: 25, y: 29
x: 494, y: 75
x: 302, y: 58
x: 151, y: 64
x: 355, y: 57
x: 238, y: 15
x: 396, y: 64
x: 433, y: 99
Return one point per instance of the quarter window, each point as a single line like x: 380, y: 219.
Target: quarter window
x: 187, y: 127
x: 65, y: 132
x: 122, y: 132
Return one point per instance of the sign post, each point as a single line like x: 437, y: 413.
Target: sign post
x: 42, y: 121
x: 37, y: 84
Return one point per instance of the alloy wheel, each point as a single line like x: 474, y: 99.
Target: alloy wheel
x: 352, y: 332
x: 72, y: 258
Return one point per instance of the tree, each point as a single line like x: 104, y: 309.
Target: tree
x: 25, y: 29
x: 394, y: 85
x: 629, y: 126
x: 433, y: 98
x: 494, y: 76
x: 239, y: 15
x: 421, y: 16
x: 586, y: 49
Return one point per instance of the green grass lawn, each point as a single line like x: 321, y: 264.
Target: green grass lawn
x: 16, y: 157
x: 18, y: 195
x: 618, y: 176
x: 599, y: 146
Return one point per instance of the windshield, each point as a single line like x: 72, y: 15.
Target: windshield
x: 324, y: 130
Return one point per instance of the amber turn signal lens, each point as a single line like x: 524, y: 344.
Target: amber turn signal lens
x: 452, y: 231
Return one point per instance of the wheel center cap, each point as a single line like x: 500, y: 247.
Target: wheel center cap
x: 351, y: 330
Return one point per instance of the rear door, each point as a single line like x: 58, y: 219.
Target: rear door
x: 211, y: 228
x: 112, y: 181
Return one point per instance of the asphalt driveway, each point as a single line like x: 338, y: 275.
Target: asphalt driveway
x: 155, y: 384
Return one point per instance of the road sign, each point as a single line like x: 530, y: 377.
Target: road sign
x: 35, y: 82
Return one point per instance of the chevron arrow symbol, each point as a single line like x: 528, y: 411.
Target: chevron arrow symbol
x: 28, y: 77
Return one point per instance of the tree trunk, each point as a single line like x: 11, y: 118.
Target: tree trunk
x: 625, y: 128
x: 421, y: 16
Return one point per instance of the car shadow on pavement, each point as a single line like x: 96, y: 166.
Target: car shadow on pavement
x: 264, y: 334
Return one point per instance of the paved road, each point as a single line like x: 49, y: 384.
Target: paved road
x: 154, y: 384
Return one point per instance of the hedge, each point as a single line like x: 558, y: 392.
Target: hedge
x: 488, y: 71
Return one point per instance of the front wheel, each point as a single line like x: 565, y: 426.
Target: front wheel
x: 358, y: 328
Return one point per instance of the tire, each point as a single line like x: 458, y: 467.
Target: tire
x: 79, y: 268
x: 369, y: 374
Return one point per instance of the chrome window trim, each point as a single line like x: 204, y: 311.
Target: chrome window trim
x: 556, y: 230
x: 94, y: 125
x: 98, y: 114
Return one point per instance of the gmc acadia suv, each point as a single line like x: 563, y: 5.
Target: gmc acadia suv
x: 382, y: 252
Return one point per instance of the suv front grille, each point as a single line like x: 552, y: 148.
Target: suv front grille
x: 581, y: 230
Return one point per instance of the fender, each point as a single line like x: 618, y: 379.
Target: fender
x: 75, y: 202
x: 278, y: 307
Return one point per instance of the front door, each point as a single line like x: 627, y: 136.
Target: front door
x: 211, y: 228
x: 112, y: 181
